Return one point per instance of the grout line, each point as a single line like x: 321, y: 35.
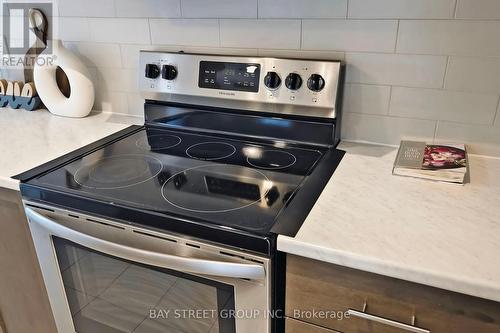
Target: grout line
x: 436, y: 126
x: 301, y: 34
x: 445, y: 71
x: 220, y: 39
x: 397, y: 37
x: 497, y: 116
x: 150, y: 32
x: 390, y: 100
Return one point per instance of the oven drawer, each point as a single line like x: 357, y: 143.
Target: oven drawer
x: 370, y: 303
x: 296, y: 326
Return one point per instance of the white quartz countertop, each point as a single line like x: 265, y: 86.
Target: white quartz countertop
x: 442, y: 235
x: 28, y: 139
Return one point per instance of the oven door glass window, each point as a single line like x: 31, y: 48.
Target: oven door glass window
x: 111, y: 295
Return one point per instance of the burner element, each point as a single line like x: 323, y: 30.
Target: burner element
x: 158, y: 142
x: 118, y: 172
x: 210, y: 151
x: 216, y: 188
x: 272, y: 160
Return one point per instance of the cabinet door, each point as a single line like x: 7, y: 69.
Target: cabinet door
x: 380, y: 304
x: 24, y: 305
x: 296, y: 326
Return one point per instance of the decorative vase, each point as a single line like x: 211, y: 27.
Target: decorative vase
x: 81, y: 97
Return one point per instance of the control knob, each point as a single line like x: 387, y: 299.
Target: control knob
x: 272, y: 80
x: 152, y: 71
x: 293, y: 81
x: 316, y: 82
x: 169, y: 72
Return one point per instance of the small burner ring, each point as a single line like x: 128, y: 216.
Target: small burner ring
x: 291, y: 160
x: 200, y: 154
x: 144, y: 143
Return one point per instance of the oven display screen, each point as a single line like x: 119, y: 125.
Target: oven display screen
x: 229, y: 76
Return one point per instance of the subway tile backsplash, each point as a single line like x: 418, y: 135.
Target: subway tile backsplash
x: 473, y: 74
x: 478, y: 9
x: 350, y: 35
x: 402, y: 9
x: 449, y: 37
x: 434, y: 104
x: 148, y: 8
x: 422, y: 69
x: 396, y: 69
x: 265, y: 33
x: 302, y: 9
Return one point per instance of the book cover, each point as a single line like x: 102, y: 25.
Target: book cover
x: 446, y: 163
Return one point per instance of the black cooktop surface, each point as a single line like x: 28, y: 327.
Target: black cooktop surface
x: 231, y: 183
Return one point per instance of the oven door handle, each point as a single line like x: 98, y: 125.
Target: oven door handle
x: 182, y: 264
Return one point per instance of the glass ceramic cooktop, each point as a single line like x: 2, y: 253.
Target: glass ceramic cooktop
x: 232, y: 183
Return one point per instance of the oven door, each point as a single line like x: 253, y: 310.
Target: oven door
x: 105, y: 276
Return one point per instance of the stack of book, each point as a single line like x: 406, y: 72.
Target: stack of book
x: 445, y: 163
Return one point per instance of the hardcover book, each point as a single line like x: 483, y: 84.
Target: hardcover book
x: 446, y: 163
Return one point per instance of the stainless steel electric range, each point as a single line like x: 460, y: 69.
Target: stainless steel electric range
x: 171, y: 226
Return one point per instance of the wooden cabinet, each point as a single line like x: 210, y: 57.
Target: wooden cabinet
x: 24, y: 305
x: 353, y: 301
x: 296, y: 326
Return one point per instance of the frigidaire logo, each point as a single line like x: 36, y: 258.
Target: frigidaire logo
x: 24, y: 28
x: 226, y: 93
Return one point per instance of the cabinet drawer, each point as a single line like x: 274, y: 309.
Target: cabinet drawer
x: 296, y: 326
x: 362, y: 302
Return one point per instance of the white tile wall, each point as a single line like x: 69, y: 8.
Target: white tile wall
x: 199, y: 32
x: 302, y: 54
x: 350, y: 35
x: 396, y: 69
x: 387, y: 130
x: 97, y: 54
x: 117, y: 79
x: 72, y: 29
x: 408, y: 9
x: 478, y: 9
x: 473, y: 74
x: 87, y: 8
x: 219, y: 8
x: 364, y: 98
x: 427, y: 69
x: 470, y: 108
x: 148, y: 8
x: 457, y: 37
x: 302, y: 9
x: 119, y: 30
x: 280, y: 34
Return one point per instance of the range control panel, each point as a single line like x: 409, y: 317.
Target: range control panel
x: 229, y: 76
x: 258, y: 83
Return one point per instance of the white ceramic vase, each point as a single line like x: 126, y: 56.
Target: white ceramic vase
x: 81, y: 99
